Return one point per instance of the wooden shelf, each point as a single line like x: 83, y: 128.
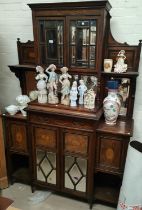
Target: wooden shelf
x: 124, y: 128
x: 124, y: 75
x: 22, y: 175
x: 16, y: 116
x: 107, y: 188
x: 107, y: 194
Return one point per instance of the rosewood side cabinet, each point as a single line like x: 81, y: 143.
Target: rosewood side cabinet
x: 61, y: 148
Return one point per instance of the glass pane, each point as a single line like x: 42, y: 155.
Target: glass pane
x: 51, y: 42
x: 83, y: 23
x: 73, y: 34
x: 46, y: 166
x: 60, y: 34
x: 73, y: 54
x: 43, y: 54
x: 81, y: 186
x: 68, y: 182
x: 82, y: 43
x: 92, y: 38
x: 52, y: 177
x: 75, y: 173
x: 93, y: 25
x: 42, y: 34
x: 83, y: 165
x: 51, y: 39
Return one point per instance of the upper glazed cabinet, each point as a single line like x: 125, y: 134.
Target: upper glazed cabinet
x: 70, y: 35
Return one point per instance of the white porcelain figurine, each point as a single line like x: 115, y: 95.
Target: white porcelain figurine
x: 82, y: 89
x: 41, y: 85
x: 23, y: 101
x: 120, y: 66
x: 42, y: 92
x: 41, y: 74
x: 64, y: 80
x: 73, y: 94
x: 89, y: 99
x: 52, y: 84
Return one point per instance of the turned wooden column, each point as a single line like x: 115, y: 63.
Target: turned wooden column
x: 3, y: 171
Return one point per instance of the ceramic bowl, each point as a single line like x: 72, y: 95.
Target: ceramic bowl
x: 12, y: 109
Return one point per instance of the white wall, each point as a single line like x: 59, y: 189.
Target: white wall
x: 16, y: 21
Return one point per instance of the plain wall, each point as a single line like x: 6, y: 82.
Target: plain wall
x: 16, y: 22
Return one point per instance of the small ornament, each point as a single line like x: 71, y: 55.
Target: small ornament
x: 108, y: 65
x: 120, y: 66
x: 111, y: 103
x: 52, y: 84
x: 23, y: 101
x: 73, y: 94
x: 82, y: 89
x: 65, y: 90
x: 89, y: 99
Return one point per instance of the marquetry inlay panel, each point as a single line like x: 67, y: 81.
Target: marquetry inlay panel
x: 76, y: 143
x: 45, y: 137
x: 110, y: 153
x: 19, y: 138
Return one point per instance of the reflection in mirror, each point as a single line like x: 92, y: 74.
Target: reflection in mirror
x: 123, y: 94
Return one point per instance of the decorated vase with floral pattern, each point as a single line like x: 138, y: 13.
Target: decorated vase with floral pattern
x: 111, y: 103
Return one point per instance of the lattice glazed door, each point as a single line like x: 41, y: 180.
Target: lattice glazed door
x: 46, y: 166
x: 75, y: 161
x: 75, y: 173
x: 45, y: 153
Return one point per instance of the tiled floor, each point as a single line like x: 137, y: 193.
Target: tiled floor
x: 21, y: 193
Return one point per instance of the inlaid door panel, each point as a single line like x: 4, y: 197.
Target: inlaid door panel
x: 76, y: 147
x: 45, y: 137
x: 18, y: 140
x: 76, y: 143
x: 109, y: 153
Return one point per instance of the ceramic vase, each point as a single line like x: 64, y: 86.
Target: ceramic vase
x: 111, y: 103
x: 108, y: 65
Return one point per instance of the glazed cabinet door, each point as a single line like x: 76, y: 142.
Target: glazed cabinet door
x: 51, y: 40
x: 82, y: 42
x: 69, y: 41
x: 76, y: 161
x: 45, y: 155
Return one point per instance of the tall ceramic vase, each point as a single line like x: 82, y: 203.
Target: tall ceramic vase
x: 111, y: 103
